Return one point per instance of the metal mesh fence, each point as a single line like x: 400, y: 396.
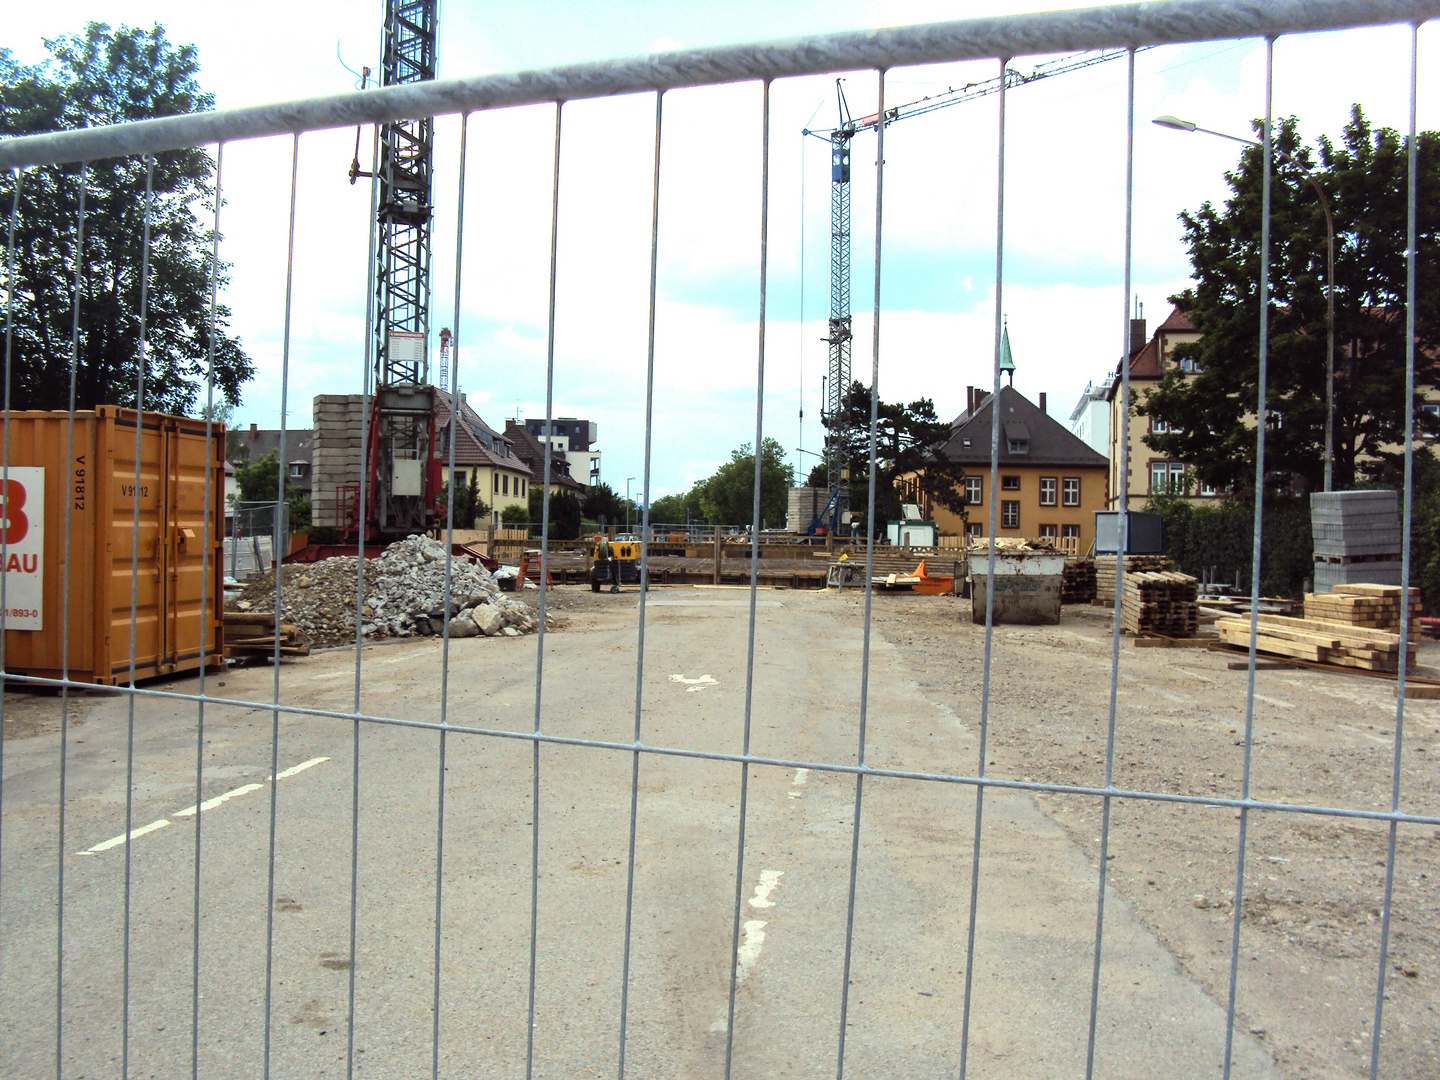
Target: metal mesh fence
x: 245, y: 1037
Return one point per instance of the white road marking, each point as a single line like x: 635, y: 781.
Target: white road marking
x: 116, y: 841
x: 768, y: 880
x: 800, y: 777
x: 300, y: 768
x: 208, y: 804
x: 330, y: 675
x: 692, y: 685
x: 225, y: 796
x: 401, y: 658
x: 752, y: 939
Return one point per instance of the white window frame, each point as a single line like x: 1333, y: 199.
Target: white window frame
x: 974, y: 491
x: 1069, y: 531
x: 1049, y: 532
x: 1065, y: 499
x: 1009, y: 513
x: 1049, y: 491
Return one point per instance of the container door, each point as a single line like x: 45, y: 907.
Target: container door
x: 185, y: 526
x: 147, y: 573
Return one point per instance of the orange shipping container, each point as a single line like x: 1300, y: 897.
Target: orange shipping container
x: 98, y: 481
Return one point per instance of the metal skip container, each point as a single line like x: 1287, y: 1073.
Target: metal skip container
x: 98, y: 482
x: 1027, y: 586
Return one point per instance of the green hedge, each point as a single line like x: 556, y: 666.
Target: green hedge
x: 1216, y: 542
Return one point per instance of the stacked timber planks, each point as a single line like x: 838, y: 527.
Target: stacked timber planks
x: 1318, y: 641
x: 1105, y: 572
x: 1078, y: 585
x: 1159, y: 602
x: 1375, y: 607
x: 252, y: 633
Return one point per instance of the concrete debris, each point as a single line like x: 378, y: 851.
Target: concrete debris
x: 404, y: 596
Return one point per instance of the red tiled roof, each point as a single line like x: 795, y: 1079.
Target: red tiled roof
x: 1176, y: 320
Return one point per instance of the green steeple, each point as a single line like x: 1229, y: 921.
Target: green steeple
x: 1007, y: 361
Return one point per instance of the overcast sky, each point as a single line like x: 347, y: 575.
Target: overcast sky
x: 1063, y: 230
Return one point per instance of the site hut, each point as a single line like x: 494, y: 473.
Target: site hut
x: 481, y: 451
x: 1051, y: 483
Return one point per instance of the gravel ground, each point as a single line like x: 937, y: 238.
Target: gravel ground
x: 1309, y: 945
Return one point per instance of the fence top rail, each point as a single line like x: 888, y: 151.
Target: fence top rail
x: 1171, y: 22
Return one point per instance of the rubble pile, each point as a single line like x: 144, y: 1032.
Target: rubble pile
x: 404, y: 597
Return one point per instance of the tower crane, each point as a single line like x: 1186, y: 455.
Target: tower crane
x: 402, y: 468
x: 839, y: 336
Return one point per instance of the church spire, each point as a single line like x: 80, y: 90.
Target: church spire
x: 1007, y: 361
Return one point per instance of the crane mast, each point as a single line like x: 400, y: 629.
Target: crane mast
x: 403, y: 465
x: 839, y: 137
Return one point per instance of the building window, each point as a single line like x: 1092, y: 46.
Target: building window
x: 1070, y: 532
x: 1072, y: 491
x: 1010, y: 513
x: 974, y: 490
x: 1167, y: 477
x: 523, y: 487
x: 1049, y: 490
x: 975, y: 529
x: 1010, y: 483
x: 1190, y: 366
x: 1049, y: 532
x: 505, y: 485
x: 1159, y: 427
x: 297, y: 468
x: 1018, y: 446
x: 497, y: 482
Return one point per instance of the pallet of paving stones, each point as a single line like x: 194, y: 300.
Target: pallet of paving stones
x: 1318, y: 641
x: 1160, y: 602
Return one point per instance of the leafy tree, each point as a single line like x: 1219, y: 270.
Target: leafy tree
x: 819, y: 476
x: 258, y: 481
x: 1365, y: 178
x: 602, y: 501
x: 515, y: 514
x: 907, y: 438
x: 676, y: 509
x: 564, y: 513
x: 104, y: 76
x: 728, y: 497
x: 469, y: 506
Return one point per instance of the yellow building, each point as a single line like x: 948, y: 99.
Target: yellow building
x: 1051, y: 483
x: 1150, y: 472
x: 502, y: 477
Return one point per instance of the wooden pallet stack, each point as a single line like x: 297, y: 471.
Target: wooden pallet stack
x: 1318, y: 641
x: 252, y: 633
x: 1160, y: 602
x: 1105, y: 573
x: 1375, y: 607
x: 1078, y: 586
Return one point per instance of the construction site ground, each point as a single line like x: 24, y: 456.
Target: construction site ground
x: 1309, y: 942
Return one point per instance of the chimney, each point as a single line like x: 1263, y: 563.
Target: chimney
x: 254, y: 431
x: 1042, y: 403
x: 1138, y: 336
x: 969, y: 400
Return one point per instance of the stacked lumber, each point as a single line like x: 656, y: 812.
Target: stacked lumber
x: 1319, y: 641
x: 1105, y: 572
x: 1160, y: 602
x: 252, y: 633
x: 1078, y: 584
x: 1375, y: 607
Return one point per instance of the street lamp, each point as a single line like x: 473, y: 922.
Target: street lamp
x: 1189, y: 125
x: 627, y: 502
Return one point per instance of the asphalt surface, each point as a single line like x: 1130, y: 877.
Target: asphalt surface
x: 1033, y: 950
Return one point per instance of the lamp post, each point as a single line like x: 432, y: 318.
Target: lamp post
x: 627, y: 502
x: 1187, y: 125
